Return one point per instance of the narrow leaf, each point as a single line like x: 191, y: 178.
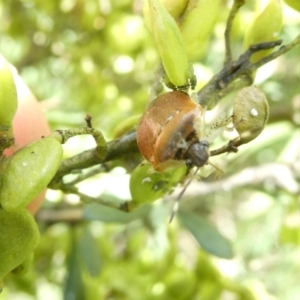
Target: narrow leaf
x: 206, y: 235
x: 74, y: 286
x: 89, y: 253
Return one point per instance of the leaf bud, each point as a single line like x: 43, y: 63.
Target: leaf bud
x: 170, y: 45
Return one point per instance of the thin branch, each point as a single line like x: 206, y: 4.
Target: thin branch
x: 228, y: 148
x: 70, y: 189
x: 83, y: 176
x: 241, y: 69
x: 235, y: 7
x: 238, y: 74
x: 60, y: 215
x: 282, y: 50
x: 126, y: 145
x: 283, y: 175
x: 64, y: 135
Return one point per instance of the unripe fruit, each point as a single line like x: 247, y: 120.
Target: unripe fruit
x: 170, y: 45
x: 250, y: 114
x: 175, y: 9
x: 170, y: 131
x: 19, y: 236
x: 197, y: 24
x: 28, y: 171
x: 264, y: 28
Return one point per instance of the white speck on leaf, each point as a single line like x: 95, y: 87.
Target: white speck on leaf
x: 254, y: 112
x: 147, y: 179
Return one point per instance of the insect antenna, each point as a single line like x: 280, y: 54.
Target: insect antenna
x: 217, y: 168
x: 176, y: 204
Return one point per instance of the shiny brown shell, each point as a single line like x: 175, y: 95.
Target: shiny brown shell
x: 167, y: 134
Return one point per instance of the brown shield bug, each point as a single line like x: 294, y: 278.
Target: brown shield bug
x: 170, y: 131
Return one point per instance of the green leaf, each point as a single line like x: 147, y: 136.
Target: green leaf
x: 89, y: 253
x: 74, y: 287
x: 206, y: 235
x: 28, y: 171
x: 147, y: 186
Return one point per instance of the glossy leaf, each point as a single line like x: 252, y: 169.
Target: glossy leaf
x: 28, y: 171
x: 146, y: 185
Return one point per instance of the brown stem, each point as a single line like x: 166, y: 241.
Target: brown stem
x: 230, y: 147
x: 235, y: 7
x: 236, y: 74
x: 126, y: 145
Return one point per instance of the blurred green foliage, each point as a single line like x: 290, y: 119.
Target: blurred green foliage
x: 97, y: 57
